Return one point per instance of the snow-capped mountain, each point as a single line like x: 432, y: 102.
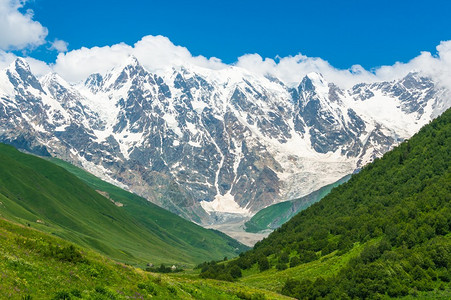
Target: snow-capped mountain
x: 206, y: 143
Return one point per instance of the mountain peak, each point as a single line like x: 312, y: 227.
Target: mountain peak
x: 53, y: 78
x: 19, y: 71
x: 132, y: 61
x: 131, y: 65
x: 312, y: 81
x: 316, y: 78
x: 119, y: 76
x: 94, y: 82
x: 20, y: 64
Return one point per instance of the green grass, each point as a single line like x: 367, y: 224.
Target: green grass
x: 327, y: 266
x: 274, y: 216
x: 35, y: 265
x: 159, y: 220
x: 37, y: 192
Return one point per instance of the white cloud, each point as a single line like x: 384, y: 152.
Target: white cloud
x: 59, y: 45
x: 292, y: 69
x: 437, y: 66
x: 6, y: 59
x: 77, y: 64
x: 18, y: 30
x: 156, y: 53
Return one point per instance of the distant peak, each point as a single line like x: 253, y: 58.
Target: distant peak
x: 130, y: 64
x: 20, y: 69
x: 313, y: 79
x: 132, y: 61
x: 94, y: 78
x: 52, y: 77
x: 20, y: 63
x: 314, y: 76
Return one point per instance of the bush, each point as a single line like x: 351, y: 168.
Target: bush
x: 76, y: 293
x: 263, y: 263
x: 172, y: 290
x: 235, y: 272
x: 294, y: 261
x: 284, y: 257
x: 62, y: 295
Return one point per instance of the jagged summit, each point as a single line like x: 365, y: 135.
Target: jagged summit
x: 20, y: 75
x: 130, y: 70
x: 20, y: 63
x: 132, y: 61
x: 53, y: 77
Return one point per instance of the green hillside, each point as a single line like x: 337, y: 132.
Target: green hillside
x: 384, y: 233
x: 36, y: 192
x: 272, y: 217
x: 35, y: 265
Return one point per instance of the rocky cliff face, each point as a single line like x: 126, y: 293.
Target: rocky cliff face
x: 211, y: 144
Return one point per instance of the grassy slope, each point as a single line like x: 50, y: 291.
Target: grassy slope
x: 274, y: 216
x: 273, y: 279
x: 157, y: 219
x: 30, y: 269
x: 33, y: 189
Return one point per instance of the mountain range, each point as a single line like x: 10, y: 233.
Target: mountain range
x: 211, y: 144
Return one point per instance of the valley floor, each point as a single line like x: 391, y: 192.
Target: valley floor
x: 235, y: 229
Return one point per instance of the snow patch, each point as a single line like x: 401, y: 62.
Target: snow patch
x: 173, y: 124
x: 225, y: 204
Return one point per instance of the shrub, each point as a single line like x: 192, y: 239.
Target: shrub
x: 62, y: 295
x: 235, y: 271
x: 263, y: 263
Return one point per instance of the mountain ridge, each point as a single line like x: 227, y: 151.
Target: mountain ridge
x: 247, y: 141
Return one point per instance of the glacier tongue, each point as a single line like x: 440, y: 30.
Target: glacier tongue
x: 224, y: 204
x: 212, y: 145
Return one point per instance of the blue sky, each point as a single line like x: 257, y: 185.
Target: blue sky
x: 344, y: 33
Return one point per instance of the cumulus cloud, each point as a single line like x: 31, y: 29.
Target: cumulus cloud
x: 6, y: 59
x: 59, y: 45
x: 292, y: 69
x: 156, y: 53
x: 437, y: 66
x: 19, y: 30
